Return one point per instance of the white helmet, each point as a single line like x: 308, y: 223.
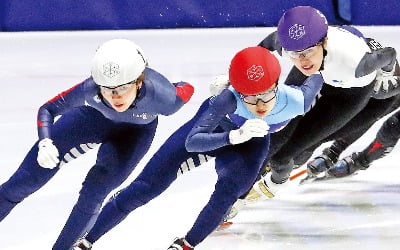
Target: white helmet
x: 117, y: 62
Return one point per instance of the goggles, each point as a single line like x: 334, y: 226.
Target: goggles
x: 118, y: 90
x: 264, y: 97
x: 307, y: 53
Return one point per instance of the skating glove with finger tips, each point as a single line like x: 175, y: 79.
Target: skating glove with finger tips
x: 251, y: 128
x: 384, y: 79
x: 218, y: 84
x: 48, y: 154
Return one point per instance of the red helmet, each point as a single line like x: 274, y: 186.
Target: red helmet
x: 253, y: 70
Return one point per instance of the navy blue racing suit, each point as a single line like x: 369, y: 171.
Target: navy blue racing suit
x: 87, y: 120
x: 207, y: 135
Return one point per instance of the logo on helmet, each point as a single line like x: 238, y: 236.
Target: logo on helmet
x: 297, y: 31
x: 255, y: 73
x: 111, y: 69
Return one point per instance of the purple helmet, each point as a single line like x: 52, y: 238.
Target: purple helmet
x: 301, y: 27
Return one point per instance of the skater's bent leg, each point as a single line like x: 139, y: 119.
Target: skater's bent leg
x: 351, y: 132
x: 116, y: 159
x: 106, y: 175
x: 97, y: 185
x: 311, y: 131
x: 225, y: 195
x: 84, y: 211
x: 29, y: 178
x: 237, y: 169
x: 386, y: 138
x: 145, y: 188
x: 157, y: 176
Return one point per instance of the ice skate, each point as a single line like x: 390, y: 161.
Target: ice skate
x: 233, y: 211
x: 180, y: 244
x: 82, y: 244
x: 347, y: 166
x: 224, y: 225
x: 263, y: 189
x: 322, y: 163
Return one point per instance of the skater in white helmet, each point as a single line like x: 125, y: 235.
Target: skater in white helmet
x: 116, y: 110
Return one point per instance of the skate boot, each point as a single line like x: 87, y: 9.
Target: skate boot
x: 265, y: 170
x: 263, y: 189
x: 323, y: 162
x: 348, y: 166
x: 180, y: 244
x: 82, y: 244
x: 234, y: 210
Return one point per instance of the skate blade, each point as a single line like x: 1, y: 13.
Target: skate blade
x: 324, y: 177
x: 315, y: 178
x: 306, y: 180
x: 224, y: 226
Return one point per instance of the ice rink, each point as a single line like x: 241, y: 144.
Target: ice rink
x: 357, y: 212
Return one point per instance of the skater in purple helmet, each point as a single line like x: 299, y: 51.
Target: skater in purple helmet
x: 115, y: 110
x: 361, y: 85
x: 234, y: 127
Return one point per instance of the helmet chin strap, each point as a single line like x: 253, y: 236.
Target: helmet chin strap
x: 133, y: 105
x: 325, y: 52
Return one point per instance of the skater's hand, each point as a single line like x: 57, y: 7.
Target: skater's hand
x: 218, y: 84
x: 384, y: 79
x: 48, y: 154
x: 251, y: 128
